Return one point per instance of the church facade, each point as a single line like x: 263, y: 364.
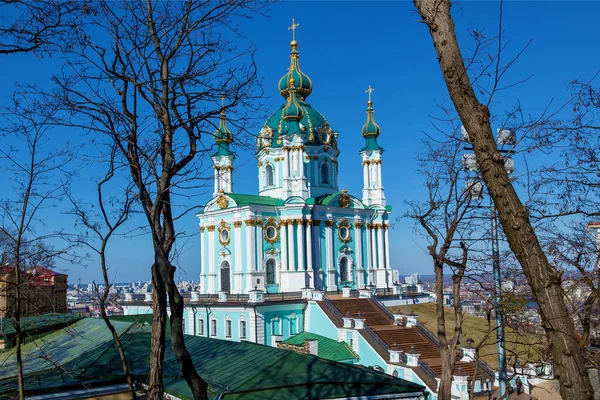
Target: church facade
x: 300, y: 230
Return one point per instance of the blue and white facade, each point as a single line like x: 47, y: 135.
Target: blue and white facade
x: 300, y: 230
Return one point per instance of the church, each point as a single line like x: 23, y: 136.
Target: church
x: 304, y: 266
x: 300, y: 230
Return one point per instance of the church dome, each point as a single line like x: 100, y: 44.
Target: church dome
x: 370, y: 130
x: 302, y: 82
x: 296, y: 116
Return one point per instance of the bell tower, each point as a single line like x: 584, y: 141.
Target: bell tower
x: 223, y: 158
x: 373, y: 193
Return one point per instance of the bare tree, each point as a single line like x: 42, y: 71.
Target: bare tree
x: 543, y: 277
x: 448, y: 221
x: 37, y: 173
x: 40, y: 26
x: 113, y: 212
x: 153, y: 81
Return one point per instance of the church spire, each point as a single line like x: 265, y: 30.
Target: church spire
x: 223, y: 136
x: 302, y: 82
x: 373, y: 192
x: 223, y: 158
x: 370, y: 130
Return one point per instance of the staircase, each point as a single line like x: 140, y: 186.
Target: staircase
x: 384, y: 335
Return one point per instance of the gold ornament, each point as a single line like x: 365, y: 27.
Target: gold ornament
x: 344, y: 199
x: 224, y: 233
x: 222, y: 201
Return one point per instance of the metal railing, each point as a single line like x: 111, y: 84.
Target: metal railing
x: 282, y: 296
x: 383, y: 308
x: 427, y: 369
x: 484, y: 366
x: 333, y: 309
x: 376, y: 338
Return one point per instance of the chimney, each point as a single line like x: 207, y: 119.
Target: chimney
x: 312, y: 345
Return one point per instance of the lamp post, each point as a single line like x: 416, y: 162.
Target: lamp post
x: 504, y: 137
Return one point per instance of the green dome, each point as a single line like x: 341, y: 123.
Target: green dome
x: 370, y: 130
x: 223, y: 137
x: 292, y: 110
x: 313, y: 125
x: 302, y: 82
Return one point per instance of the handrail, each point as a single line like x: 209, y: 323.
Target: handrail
x: 376, y: 338
x: 428, y: 371
x: 383, y: 308
x: 483, y: 365
x: 337, y: 313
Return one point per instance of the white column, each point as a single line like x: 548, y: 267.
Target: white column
x: 202, y: 266
x: 380, y: 251
x: 282, y: 232
x: 250, y: 256
x: 286, y: 169
x: 386, y: 234
x: 301, y: 258
x: 211, y: 260
x: 237, y: 239
x: 369, y: 247
x: 291, y: 255
x: 216, y: 180
x: 359, y: 256
x: 329, y: 255
x: 309, y: 261
x: 259, y: 245
x: 379, y: 180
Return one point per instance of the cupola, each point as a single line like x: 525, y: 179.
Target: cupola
x: 292, y: 110
x: 370, y: 130
x: 223, y: 137
x: 302, y: 82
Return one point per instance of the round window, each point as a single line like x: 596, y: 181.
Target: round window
x: 224, y: 235
x: 344, y: 232
x: 271, y: 233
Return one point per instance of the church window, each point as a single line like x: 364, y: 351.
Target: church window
x: 325, y: 173
x: 344, y: 269
x: 224, y: 236
x: 269, y: 175
x: 271, y: 233
x: 200, y: 327
x: 276, y: 325
x: 242, y: 329
x: 213, y: 327
x: 344, y: 232
x: 270, y: 267
x: 227, y: 328
x: 225, y: 276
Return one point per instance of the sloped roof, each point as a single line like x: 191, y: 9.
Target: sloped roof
x: 253, y: 199
x: 84, y: 354
x: 329, y: 349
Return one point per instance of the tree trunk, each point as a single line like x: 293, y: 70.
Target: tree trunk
x: 157, y: 344
x: 445, y: 386
x: 198, y: 386
x: 544, y: 279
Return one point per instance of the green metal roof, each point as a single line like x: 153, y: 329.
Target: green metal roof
x: 253, y: 199
x: 38, y: 324
x: 329, y: 349
x: 84, y: 354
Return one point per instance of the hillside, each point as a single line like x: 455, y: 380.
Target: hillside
x: 525, y: 348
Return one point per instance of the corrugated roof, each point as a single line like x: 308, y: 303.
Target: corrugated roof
x: 84, y: 354
x: 329, y: 349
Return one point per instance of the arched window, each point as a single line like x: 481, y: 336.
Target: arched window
x: 325, y: 173
x: 270, y: 267
x: 344, y: 269
x: 228, y: 327
x: 242, y: 328
x: 269, y: 175
x: 200, y: 326
x: 395, y: 374
x: 225, y: 277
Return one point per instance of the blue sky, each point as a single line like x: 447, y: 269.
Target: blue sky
x: 346, y: 46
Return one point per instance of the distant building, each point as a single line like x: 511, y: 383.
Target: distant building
x: 42, y: 291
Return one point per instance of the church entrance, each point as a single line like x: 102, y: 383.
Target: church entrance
x: 225, y: 277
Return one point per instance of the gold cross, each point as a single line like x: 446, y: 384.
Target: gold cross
x: 222, y: 101
x: 369, y: 90
x: 293, y: 28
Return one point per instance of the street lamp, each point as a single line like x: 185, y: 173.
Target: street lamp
x: 504, y: 137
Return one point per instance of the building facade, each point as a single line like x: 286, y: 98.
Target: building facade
x: 42, y: 291
x: 300, y: 230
